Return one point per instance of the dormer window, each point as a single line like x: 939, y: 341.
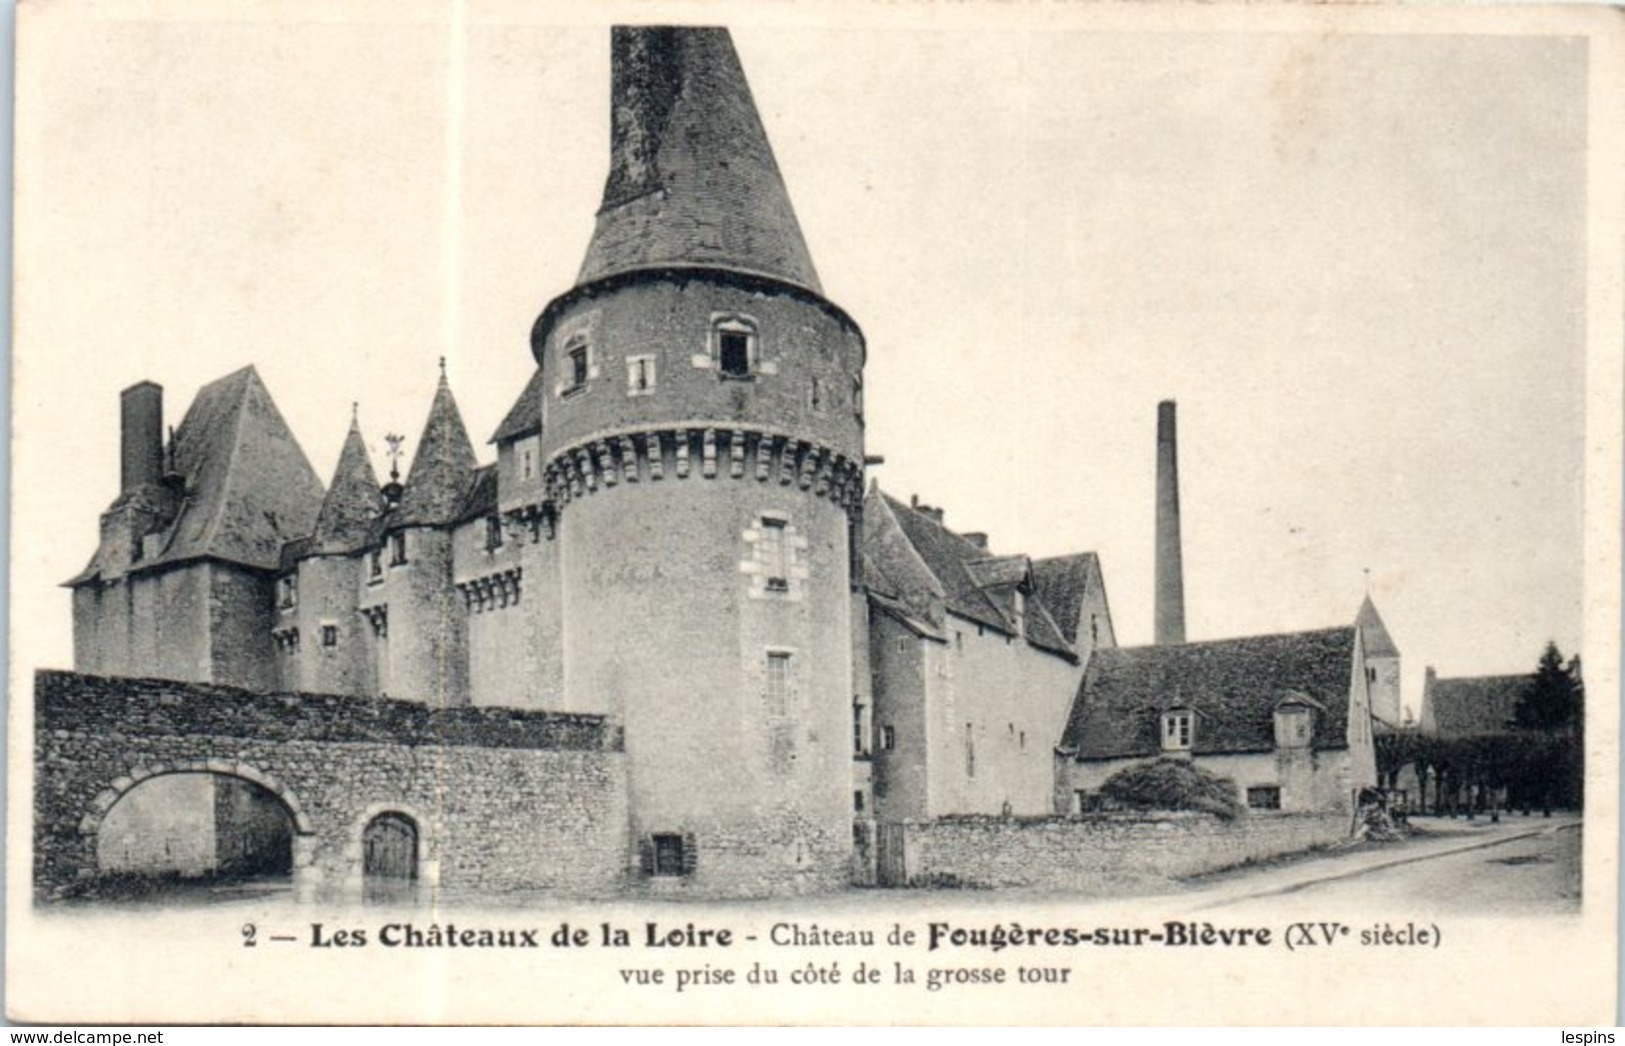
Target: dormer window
x: 1294, y: 726
x: 1177, y: 728
x: 735, y: 347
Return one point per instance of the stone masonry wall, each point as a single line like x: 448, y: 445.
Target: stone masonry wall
x: 504, y: 800
x: 1095, y: 852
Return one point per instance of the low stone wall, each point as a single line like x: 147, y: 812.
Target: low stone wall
x: 1097, y: 851
x: 503, y: 800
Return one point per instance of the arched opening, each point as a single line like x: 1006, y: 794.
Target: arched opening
x: 389, y: 857
x: 200, y: 833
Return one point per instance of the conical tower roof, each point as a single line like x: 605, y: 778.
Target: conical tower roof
x: 1378, y: 643
x: 353, y: 499
x: 692, y: 178
x: 442, y: 466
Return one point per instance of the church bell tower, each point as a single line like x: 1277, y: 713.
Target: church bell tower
x: 702, y: 449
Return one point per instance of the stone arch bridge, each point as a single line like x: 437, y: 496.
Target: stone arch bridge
x: 504, y: 799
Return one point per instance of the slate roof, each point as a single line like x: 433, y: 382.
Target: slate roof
x: 1378, y: 643
x: 353, y: 501
x: 924, y: 565
x: 1470, y: 706
x: 481, y: 498
x: 442, y: 467
x: 692, y: 178
x: 1062, y: 583
x: 1233, y: 686
x: 524, y: 418
x: 249, y: 488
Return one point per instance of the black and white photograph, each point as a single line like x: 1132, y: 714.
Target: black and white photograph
x: 864, y: 513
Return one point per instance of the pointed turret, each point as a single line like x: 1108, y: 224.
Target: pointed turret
x: 353, y: 499
x: 692, y: 178
x: 442, y: 467
x: 1378, y: 643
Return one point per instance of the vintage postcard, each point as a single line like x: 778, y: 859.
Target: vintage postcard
x: 858, y: 513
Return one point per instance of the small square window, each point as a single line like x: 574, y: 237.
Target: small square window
x: 888, y: 739
x: 1264, y: 797
x: 668, y: 855
x: 330, y: 635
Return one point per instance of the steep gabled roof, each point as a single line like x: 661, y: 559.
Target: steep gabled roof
x: 353, y: 501
x: 931, y: 569
x: 692, y: 178
x: 525, y: 416
x: 249, y: 488
x: 1470, y: 706
x: 442, y: 466
x: 1378, y: 643
x: 1233, y: 686
x: 1064, y: 583
x: 481, y: 496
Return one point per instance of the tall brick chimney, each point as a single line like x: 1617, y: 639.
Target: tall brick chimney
x: 1170, y: 607
x: 141, y: 451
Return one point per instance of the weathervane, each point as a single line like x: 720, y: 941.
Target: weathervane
x: 394, y: 453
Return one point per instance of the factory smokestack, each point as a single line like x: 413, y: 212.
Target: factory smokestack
x: 1170, y: 609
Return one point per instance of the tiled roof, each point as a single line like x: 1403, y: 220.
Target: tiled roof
x: 692, y: 178
x: 1233, y: 686
x: 248, y: 487
x: 1469, y: 706
x: 525, y: 416
x: 932, y: 565
x: 1063, y: 583
x: 353, y: 500
x: 1378, y: 643
x: 442, y: 467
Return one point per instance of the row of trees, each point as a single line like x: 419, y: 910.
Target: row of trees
x: 1536, y: 761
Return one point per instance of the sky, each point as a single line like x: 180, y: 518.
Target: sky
x: 1356, y: 259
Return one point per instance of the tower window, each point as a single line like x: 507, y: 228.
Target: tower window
x: 397, y: 548
x: 770, y: 551
x: 777, y: 690
x: 735, y: 347
x: 375, y: 563
x: 888, y: 739
x: 576, y: 367
x: 493, y: 533
x: 526, y: 465
x: 815, y: 395
x: 640, y: 375
x: 970, y: 751
x: 857, y: 802
x: 289, y: 592
x: 330, y: 635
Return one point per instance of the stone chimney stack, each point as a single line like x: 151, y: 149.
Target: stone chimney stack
x: 142, y: 436
x: 1170, y: 576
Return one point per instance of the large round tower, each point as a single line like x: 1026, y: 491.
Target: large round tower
x: 702, y: 442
